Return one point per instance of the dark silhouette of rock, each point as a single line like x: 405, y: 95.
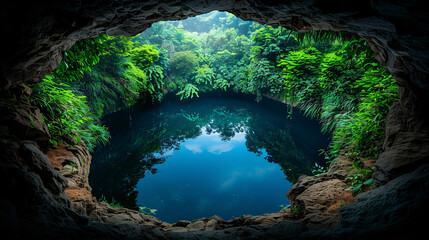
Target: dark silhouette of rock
x: 34, y: 202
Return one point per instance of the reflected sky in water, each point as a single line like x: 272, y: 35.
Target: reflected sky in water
x: 225, y: 156
x: 208, y: 176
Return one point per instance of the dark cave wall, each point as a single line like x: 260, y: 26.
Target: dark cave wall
x: 36, y: 34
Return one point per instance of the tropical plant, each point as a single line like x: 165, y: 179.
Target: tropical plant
x: 67, y: 114
x: 147, y: 210
x: 111, y: 203
x: 183, y: 62
x: 188, y: 91
x: 363, y: 130
x: 359, y: 176
x: 80, y: 57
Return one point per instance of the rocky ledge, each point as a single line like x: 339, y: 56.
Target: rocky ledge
x: 131, y: 224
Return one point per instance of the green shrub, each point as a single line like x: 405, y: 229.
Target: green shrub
x: 67, y: 114
x: 363, y: 130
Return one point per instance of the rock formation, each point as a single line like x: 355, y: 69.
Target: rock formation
x: 37, y: 200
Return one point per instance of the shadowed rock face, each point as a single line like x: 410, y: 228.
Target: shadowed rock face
x: 34, y: 199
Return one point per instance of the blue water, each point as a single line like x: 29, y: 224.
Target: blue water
x: 208, y: 176
x: 210, y: 156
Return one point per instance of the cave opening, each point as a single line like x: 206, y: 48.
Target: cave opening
x: 43, y: 36
x: 331, y: 77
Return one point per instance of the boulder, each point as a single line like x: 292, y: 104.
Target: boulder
x: 317, y: 199
x: 325, y: 197
x: 181, y: 223
x: 198, y: 225
x: 34, y: 194
x: 319, y: 203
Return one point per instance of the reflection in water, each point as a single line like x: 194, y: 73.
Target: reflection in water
x: 204, y: 157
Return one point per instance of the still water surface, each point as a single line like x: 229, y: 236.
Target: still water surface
x: 225, y: 156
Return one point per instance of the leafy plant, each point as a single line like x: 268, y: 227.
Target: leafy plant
x: 183, y: 62
x: 188, y: 91
x: 147, y: 210
x: 79, y: 59
x: 284, y: 207
x: 363, y: 130
x: 298, y: 210
x: 67, y: 115
x: 358, y: 176
x: 318, y: 169
x: 111, y: 203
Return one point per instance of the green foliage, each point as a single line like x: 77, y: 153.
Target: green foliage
x: 144, y: 56
x: 204, y: 75
x: 363, y: 130
x: 220, y: 83
x: 155, y: 78
x: 79, y: 59
x: 272, y: 42
x: 125, y: 75
x: 111, y: 203
x: 300, y: 73
x: 318, y: 169
x: 188, y: 91
x: 147, y: 210
x: 67, y: 115
x: 183, y: 63
x: 284, y: 207
x: 322, y: 36
x: 358, y: 177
